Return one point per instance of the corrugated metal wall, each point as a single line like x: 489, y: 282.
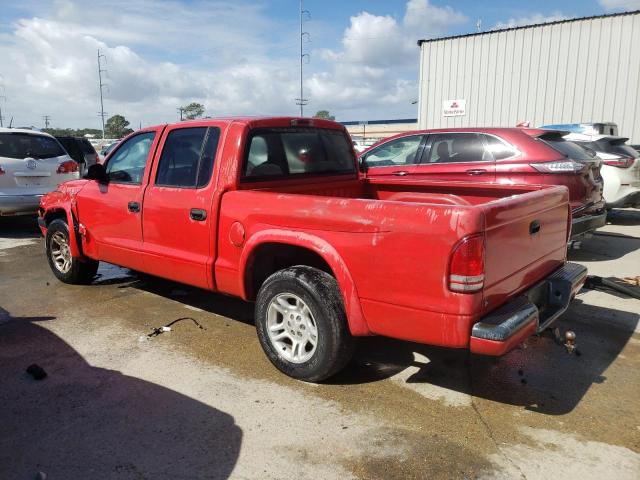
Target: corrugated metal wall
x: 579, y: 71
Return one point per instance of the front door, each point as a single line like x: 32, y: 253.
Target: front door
x: 395, y: 157
x: 111, y: 213
x: 178, y: 217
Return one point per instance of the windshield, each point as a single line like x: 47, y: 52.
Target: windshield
x: 23, y: 145
x: 569, y: 149
x: 279, y: 152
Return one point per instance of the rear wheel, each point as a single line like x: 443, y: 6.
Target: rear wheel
x: 301, y: 323
x: 66, y: 268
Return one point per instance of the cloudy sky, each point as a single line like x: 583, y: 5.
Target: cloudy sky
x: 234, y: 56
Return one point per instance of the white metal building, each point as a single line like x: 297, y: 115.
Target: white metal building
x: 572, y: 71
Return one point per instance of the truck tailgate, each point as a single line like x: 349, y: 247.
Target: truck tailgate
x: 525, y: 240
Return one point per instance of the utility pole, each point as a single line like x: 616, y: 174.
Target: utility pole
x: 181, y: 110
x: 302, y: 101
x: 46, y: 119
x: 100, y: 72
x: 2, y: 97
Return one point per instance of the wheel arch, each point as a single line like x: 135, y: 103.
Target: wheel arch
x: 272, y: 250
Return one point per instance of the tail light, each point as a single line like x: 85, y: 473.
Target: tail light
x: 466, y: 267
x: 2, y: 172
x: 68, y: 166
x: 562, y: 166
x: 97, y: 158
x: 619, y: 161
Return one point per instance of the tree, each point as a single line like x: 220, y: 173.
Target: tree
x: 116, y: 127
x: 193, y: 110
x: 324, y: 114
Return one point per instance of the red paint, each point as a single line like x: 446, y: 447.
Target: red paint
x: 389, y: 242
x: 583, y: 187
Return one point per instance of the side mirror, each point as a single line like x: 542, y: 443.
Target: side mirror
x: 97, y: 172
x: 362, y: 163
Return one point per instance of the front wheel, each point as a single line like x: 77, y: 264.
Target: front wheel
x: 301, y: 323
x: 66, y: 268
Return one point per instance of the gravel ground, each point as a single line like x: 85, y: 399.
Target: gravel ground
x: 205, y: 403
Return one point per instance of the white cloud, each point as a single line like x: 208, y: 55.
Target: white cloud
x: 225, y: 54
x: 620, y: 4
x: 375, y: 72
x: 530, y: 20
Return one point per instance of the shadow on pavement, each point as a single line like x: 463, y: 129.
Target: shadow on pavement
x: 22, y: 226
x: 541, y: 377
x: 223, y: 305
x: 604, y: 246
x: 88, y: 422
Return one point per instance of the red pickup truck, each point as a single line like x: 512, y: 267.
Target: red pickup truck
x: 273, y: 210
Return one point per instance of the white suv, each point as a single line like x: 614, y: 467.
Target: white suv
x: 32, y: 163
x: 620, y: 168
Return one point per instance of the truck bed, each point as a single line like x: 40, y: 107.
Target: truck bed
x: 396, y: 237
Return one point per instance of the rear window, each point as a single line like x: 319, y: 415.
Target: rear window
x: 23, y: 145
x: 568, y: 149
x: 86, y: 146
x: 281, y: 152
x: 611, y: 147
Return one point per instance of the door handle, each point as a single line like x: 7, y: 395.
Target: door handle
x: 198, y: 214
x: 400, y: 173
x: 133, y: 207
x: 476, y: 171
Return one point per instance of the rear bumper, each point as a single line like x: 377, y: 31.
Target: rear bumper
x: 529, y: 313
x: 19, y: 204
x: 580, y: 226
x: 630, y: 200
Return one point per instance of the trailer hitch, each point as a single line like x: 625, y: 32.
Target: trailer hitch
x: 568, y: 340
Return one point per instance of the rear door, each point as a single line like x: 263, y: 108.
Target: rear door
x: 456, y: 156
x: 112, y: 213
x: 178, y: 222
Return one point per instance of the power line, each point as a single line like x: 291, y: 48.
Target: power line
x: 100, y: 72
x: 303, y: 101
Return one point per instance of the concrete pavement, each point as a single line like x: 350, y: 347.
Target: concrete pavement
x: 206, y: 403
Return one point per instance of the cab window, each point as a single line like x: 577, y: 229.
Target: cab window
x: 127, y: 163
x: 187, y: 157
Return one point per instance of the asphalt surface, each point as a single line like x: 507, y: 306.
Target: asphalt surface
x: 206, y: 403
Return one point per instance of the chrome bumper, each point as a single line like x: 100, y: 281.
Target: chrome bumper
x: 540, y: 305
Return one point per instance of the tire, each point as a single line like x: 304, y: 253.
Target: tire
x: 282, y: 298
x: 66, y: 268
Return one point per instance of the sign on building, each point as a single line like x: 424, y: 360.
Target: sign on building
x: 454, y: 108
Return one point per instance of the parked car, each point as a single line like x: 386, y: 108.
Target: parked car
x: 620, y: 169
x: 496, y: 155
x: 590, y: 128
x: 274, y: 211
x: 106, y: 149
x: 81, y: 150
x: 32, y: 163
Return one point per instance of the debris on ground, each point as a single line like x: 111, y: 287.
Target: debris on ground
x: 619, y: 285
x: 167, y: 328
x: 36, y: 371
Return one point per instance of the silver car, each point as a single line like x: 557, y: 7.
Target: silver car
x: 32, y: 163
